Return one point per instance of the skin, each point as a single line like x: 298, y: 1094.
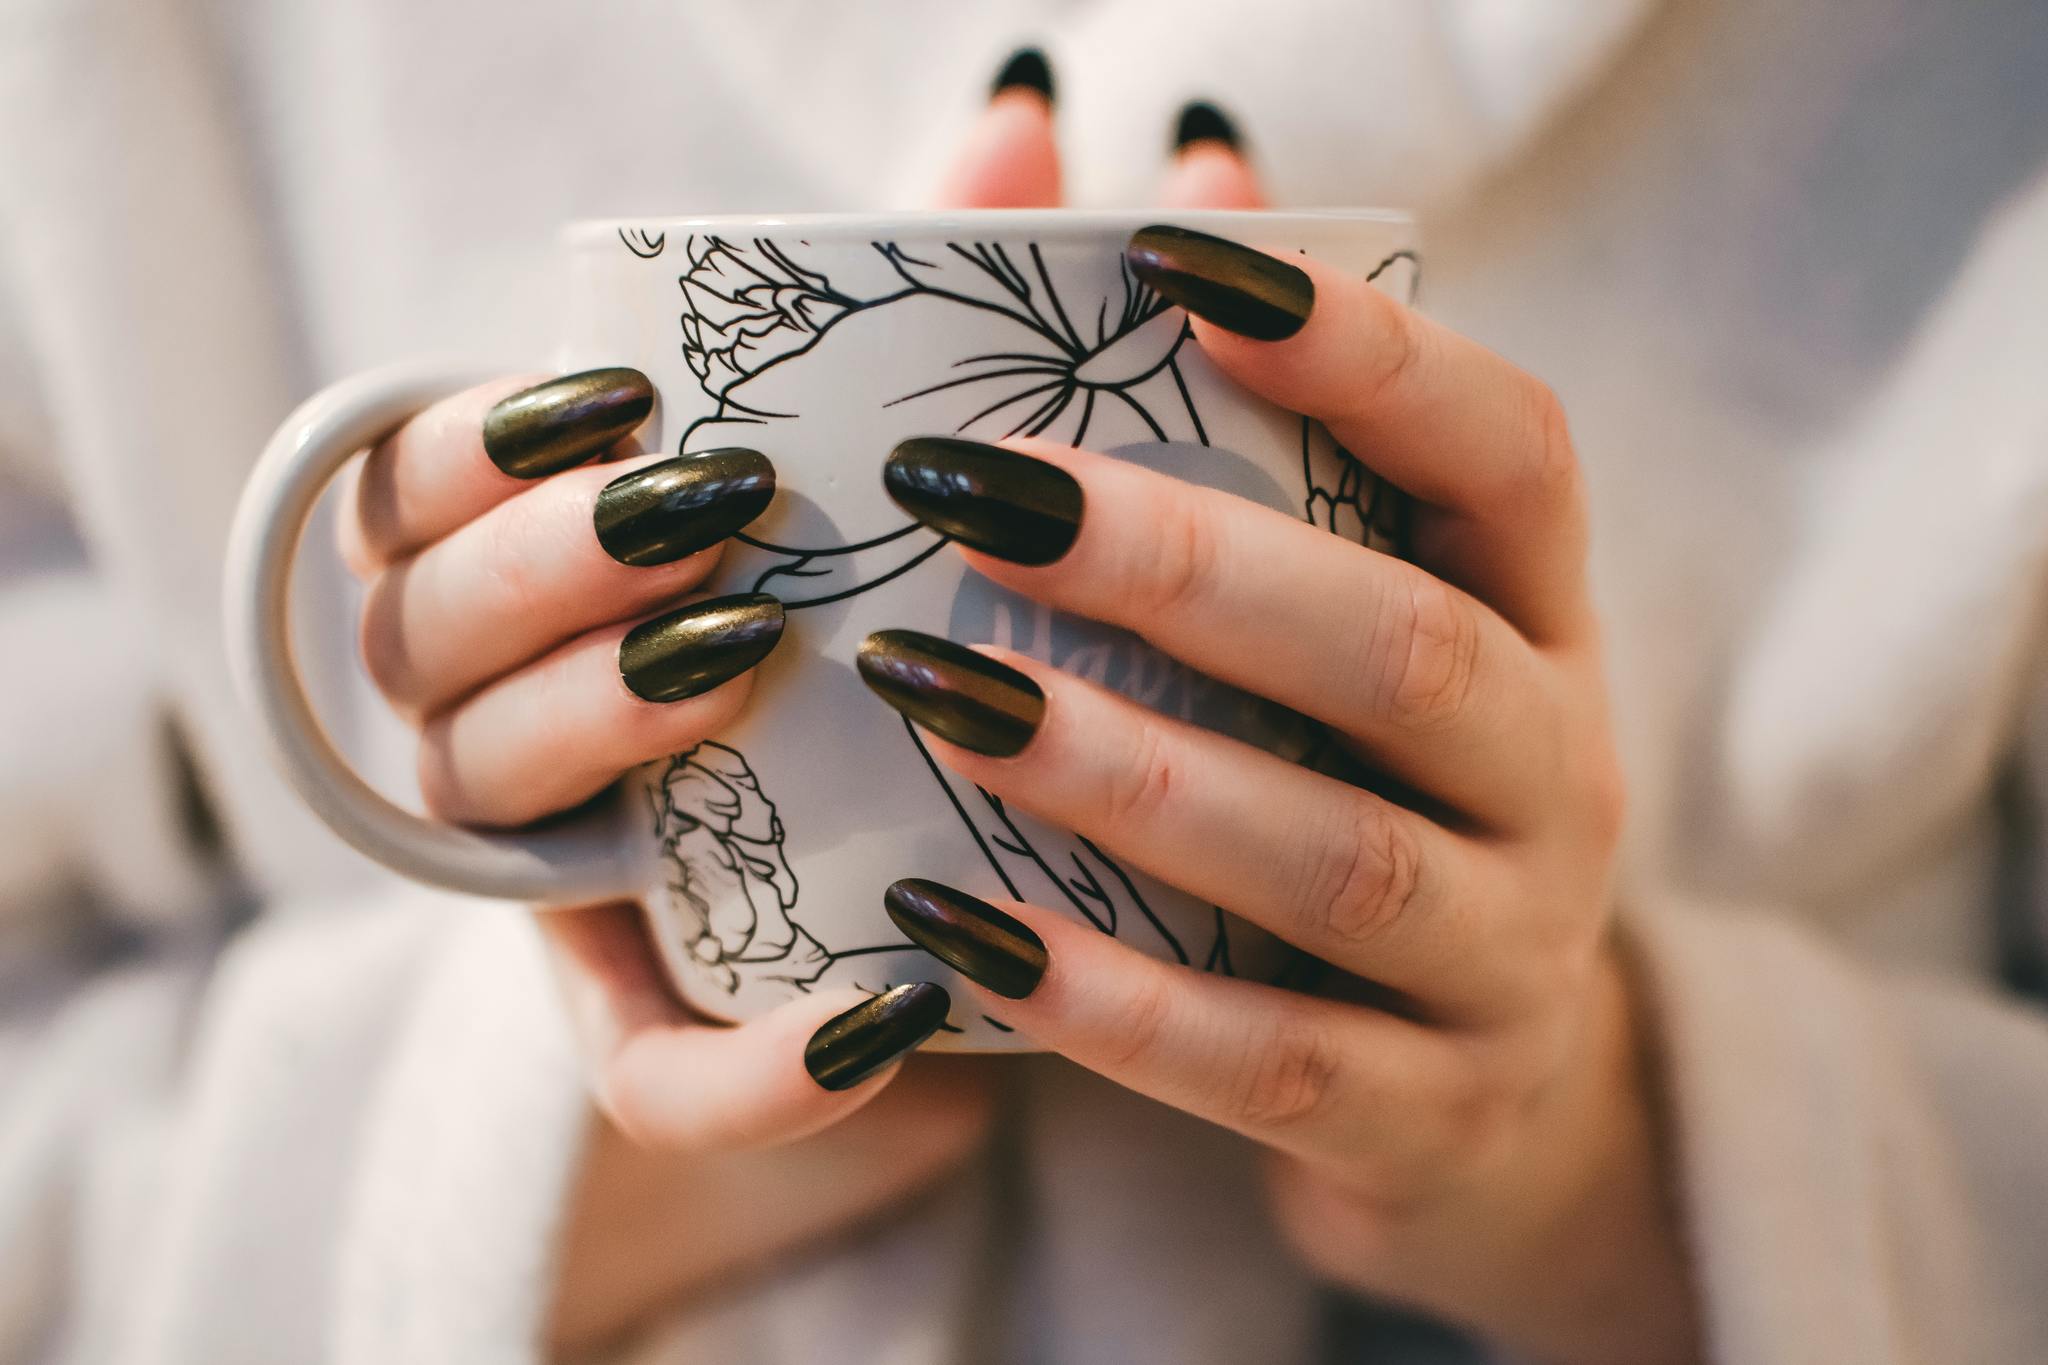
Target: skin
x: 1470, y: 1134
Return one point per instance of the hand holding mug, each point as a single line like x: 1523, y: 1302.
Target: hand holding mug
x: 1452, y: 1103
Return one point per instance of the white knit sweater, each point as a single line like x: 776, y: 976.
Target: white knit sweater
x: 1783, y: 262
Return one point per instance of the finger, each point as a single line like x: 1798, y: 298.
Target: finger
x: 1307, y: 1076
x: 1443, y: 694
x: 1009, y: 159
x: 466, y: 454
x: 1346, y: 876
x: 1479, y: 441
x: 562, y: 729
x: 582, y: 549
x: 1209, y: 170
x: 673, y: 1081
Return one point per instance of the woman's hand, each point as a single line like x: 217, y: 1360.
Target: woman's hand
x: 533, y: 609
x: 1455, y: 1116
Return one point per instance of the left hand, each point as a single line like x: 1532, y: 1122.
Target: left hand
x: 1456, y: 1118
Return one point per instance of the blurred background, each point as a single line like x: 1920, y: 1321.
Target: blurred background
x: 1781, y: 258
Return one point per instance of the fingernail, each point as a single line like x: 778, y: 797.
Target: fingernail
x: 957, y: 694
x: 1201, y: 121
x: 1027, y: 69
x: 969, y: 935
x: 691, y: 651
x: 1241, y: 290
x: 848, y: 1048
x: 661, y: 513
x: 990, y: 499
x: 551, y: 426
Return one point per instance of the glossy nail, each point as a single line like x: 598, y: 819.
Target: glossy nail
x: 689, y: 652
x: 991, y: 499
x: 1201, y: 121
x: 1027, y: 69
x: 950, y: 690
x: 550, y: 427
x: 848, y: 1048
x: 969, y: 935
x: 1241, y: 290
x: 661, y: 513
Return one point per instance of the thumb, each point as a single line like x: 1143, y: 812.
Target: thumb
x: 1009, y: 160
x: 1209, y: 169
x: 671, y: 1080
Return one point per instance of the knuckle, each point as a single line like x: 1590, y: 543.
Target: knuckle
x: 1369, y: 878
x: 1343, y: 1233
x: 1140, y: 1019
x: 1183, y: 562
x: 381, y: 643
x: 1398, y: 359
x: 512, y: 566
x: 1607, y: 800
x: 1284, y: 1079
x: 1141, y: 788
x: 442, y: 791
x: 1550, y: 474
x: 1429, y: 660
x: 1477, y: 1117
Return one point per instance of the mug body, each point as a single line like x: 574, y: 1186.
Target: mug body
x: 822, y: 342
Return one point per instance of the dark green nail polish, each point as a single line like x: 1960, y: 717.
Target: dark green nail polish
x: 848, y: 1048
x: 990, y: 499
x: 950, y: 690
x: 969, y: 935
x: 1027, y: 69
x: 661, y: 513
x: 1244, y: 291
x: 546, y: 429
x: 691, y: 651
x: 1201, y: 121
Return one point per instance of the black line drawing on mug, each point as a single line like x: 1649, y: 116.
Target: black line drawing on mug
x: 642, y: 243
x: 1072, y: 867
x: 752, y: 308
x: 728, y: 876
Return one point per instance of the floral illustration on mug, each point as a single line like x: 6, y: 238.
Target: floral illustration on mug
x: 1046, y: 355
x: 727, y: 874
x: 1036, y: 370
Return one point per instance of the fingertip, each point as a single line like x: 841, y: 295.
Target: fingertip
x: 1210, y: 169
x: 710, y: 1087
x: 1026, y: 71
x: 1201, y: 121
x: 1010, y: 159
x: 858, y: 1043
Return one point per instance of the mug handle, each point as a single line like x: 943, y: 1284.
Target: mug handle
x: 579, y: 859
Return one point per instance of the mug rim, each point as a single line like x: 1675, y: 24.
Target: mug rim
x: 1039, y: 222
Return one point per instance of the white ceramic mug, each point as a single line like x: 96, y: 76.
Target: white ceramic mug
x: 761, y: 855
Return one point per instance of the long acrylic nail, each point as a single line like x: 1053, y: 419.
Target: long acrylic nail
x: 991, y: 499
x: 1027, y: 69
x: 661, y: 513
x: 1201, y: 121
x: 969, y: 935
x: 848, y: 1048
x: 957, y: 694
x: 689, y: 652
x: 551, y: 426
x: 1241, y: 290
